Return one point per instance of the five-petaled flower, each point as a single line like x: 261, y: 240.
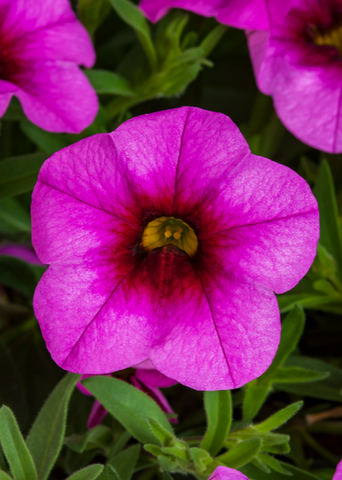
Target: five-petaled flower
x: 41, y: 45
x: 299, y: 62
x: 166, y: 240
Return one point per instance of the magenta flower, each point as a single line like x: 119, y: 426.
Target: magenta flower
x: 145, y: 378
x: 22, y: 252
x: 236, y: 13
x: 298, y: 62
x: 42, y: 43
x: 225, y: 473
x: 166, y: 240
x: 338, y: 472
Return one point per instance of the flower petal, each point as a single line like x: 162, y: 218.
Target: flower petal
x: 153, y: 378
x: 338, y: 473
x: 225, y: 473
x: 236, y: 13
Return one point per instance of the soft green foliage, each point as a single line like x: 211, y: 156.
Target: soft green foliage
x: 218, y: 408
x: 110, y: 83
x: 98, y: 437
x: 88, y: 473
x: 92, y: 12
x: 279, y: 418
x: 124, y: 462
x: 130, y: 406
x: 46, y: 436
x: 13, y: 217
x: 241, y: 453
x: 14, y: 447
x: 19, y: 174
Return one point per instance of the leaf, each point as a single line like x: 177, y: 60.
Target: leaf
x: 88, y: 473
x: 218, y: 408
x: 92, y: 12
x: 179, y: 78
x: 13, y: 217
x: 124, y: 463
x: 201, y: 458
x: 45, y: 439
x: 128, y: 405
x: 241, y: 453
x: 297, y: 374
x: 273, y: 463
x: 327, y: 389
x: 212, y: 39
x: 14, y: 447
x: 4, y: 476
x: 330, y: 231
x: 161, y: 433
x: 47, y: 141
x: 98, y: 437
x: 109, y: 83
x: 279, y: 418
x: 131, y: 15
x: 260, y: 465
x: 16, y: 274
x: 254, y: 398
x: 19, y: 174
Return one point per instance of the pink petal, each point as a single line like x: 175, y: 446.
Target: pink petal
x: 154, y: 379
x: 21, y: 252
x: 97, y: 414
x: 225, y: 473
x: 338, y: 473
x: 236, y: 13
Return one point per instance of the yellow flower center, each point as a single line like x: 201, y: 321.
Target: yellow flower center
x: 169, y: 231
x: 331, y: 37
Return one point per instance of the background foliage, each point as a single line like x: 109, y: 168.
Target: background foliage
x: 285, y: 423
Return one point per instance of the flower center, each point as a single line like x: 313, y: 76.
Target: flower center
x: 169, y: 231
x: 331, y: 37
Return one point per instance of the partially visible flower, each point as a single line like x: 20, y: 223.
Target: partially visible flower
x: 225, y: 473
x: 41, y: 45
x: 146, y: 379
x: 299, y: 62
x: 338, y: 472
x: 22, y: 252
x: 166, y: 240
x: 236, y: 13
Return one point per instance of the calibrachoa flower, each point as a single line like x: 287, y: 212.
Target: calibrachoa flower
x: 146, y: 378
x: 166, y: 240
x: 236, y: 13
x: 42, y: 43
x: 22, y: 252
x: 299, y: 63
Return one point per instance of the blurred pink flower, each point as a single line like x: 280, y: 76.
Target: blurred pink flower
x: 166, y: 240
x: 236, y: 13
x: 22, y: 252
x: 225, y: 473
x: 148, y: 380
x: 41, y: 45
x: 338, y: 473
x: 299, y: 62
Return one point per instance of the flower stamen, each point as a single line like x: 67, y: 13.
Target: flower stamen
x: 169, y: 231
x: 330, y: 37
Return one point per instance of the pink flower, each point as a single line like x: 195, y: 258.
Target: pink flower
x: 338, y: 472
x: 225, y: 473
x: 236, y: 13
x: 298, y: 62
x: 22, y: 252
x: 145, y: 378
x: 41, y: 45
x: 166, y: 240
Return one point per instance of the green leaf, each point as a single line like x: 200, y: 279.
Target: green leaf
x: 178, y: 79
x: 92, y: 12
x: 254, y: 398
x: 16, y: 274
x: 109, y: 83
x: 98, y: 437
x: 45, y: 439
x: 128, y: 405
x: 4, y: 476
x: 161, y: 433
x: 88, y: 473
x: 218, y: 408
x: 297, y: 374
x: 188, y: 56
x: 201, y: 458
x: 19, y: 174
x: 327, y: 389
x: 330, y: 231
x: 14, y: 447
x: 212, y: 39
x: 260, y: 465
x: 297, y: 474
x: 13, y: 218
x: 241, y: 453
x: 279, y: 418
x: 274, y: 464
x: 125, y: 461
x: 131, y: 14
x: 153, y: 449
x: 47, y: 141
